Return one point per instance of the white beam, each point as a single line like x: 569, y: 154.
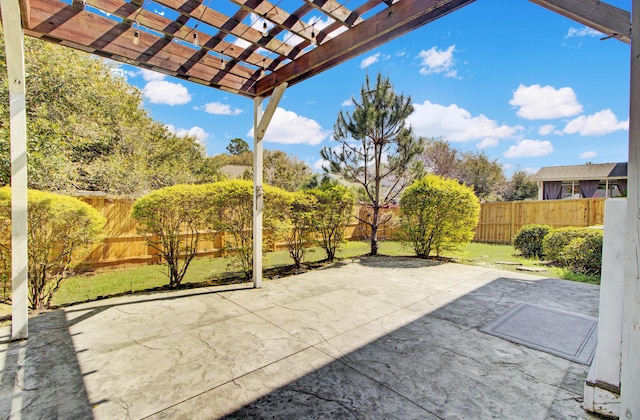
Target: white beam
x: 596, y: 14
x: 630, y: 369
x: 14, y: 46
x: 260, y: 123
x: 258, y: 195
x: 271, y: 109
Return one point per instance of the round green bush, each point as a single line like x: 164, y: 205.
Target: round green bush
x: 61, y: 230
x: 554, y: 243
x: 438, y: 214
x: 577, y: 249
x: 529, y: 240
x: 583, y: 255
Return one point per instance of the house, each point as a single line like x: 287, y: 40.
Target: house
x: 582, y: 181
x: 235, y: 171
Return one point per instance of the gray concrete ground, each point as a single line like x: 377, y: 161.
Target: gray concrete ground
x: 375, y: 338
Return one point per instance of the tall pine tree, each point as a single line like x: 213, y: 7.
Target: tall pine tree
x: 376, y: 150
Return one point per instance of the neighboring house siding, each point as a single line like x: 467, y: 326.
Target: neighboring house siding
x: 582, y: 181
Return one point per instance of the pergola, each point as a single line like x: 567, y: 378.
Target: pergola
x: 257, y: 48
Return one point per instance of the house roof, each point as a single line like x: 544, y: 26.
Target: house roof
x: 597, y: 171
x: 234, y: 171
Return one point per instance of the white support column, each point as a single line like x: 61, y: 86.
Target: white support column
x: 630, y: 370
x: 260, y: 123
x: 540, y: 190
x: 14, y: 46
x: 602, y: 388
x: 258, y: 196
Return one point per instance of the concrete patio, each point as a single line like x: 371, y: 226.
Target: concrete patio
x: 373, y: 338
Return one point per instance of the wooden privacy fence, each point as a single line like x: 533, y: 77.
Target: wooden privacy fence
x: 124, y: 246
x: 499, y: 222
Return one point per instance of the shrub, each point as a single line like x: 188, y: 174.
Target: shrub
x: 332, y: 213
x: 171, y: 218
x: 554, y: 243
x: 60, y: 231
x: 529, y: 240
x: 299, y: 236
x: 231, y: 211
x: 577, y: 249
x: 438, y: 214
x: 584, y: 255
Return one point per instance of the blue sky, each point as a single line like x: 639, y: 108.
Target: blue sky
x: 517, y: 81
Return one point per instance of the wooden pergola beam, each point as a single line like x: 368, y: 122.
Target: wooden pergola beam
x: 25, y: 10
x: 598, y: 15
x: 337, y: 11
x: 401, y: 18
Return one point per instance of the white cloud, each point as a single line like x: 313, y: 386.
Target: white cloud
x: 318, y: 164
x: 163, y: 92
x: 348, y: 102
x: 372, y: 59
x: 438, y: 61
x: 287, y: 127
x: 194, y: 131
x: 537, y: 102
x: 488, y: 142
x: 529, y: 148
x: 546, y: 129
x: 588, y: 155
x: 531, y: 170
x: 580, y: 32
x: 150, y: 75
x: 597, y: 124
x: 218, y: 108
x: 457, y: 124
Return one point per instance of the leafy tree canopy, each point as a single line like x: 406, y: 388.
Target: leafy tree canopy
x: 237, y: 147
x: 280, y: 169
x: 87, y: 130
x: 520, y: 187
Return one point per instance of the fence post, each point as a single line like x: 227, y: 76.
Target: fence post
x: 513, y: 222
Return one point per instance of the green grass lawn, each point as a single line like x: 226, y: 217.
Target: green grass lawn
x: 129, y: 280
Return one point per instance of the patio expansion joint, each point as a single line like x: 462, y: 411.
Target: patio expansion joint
x: 256, y: 315
x: 350, y: 410
x: 387, y: 387
x: 231, y: 381
x: 517, y: 366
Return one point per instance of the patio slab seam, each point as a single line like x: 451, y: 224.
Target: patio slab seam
x: 359, y: 372
x: 227, y: 382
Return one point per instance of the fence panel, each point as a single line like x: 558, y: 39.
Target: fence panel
x: 495, y: 222
x: 500, y: 222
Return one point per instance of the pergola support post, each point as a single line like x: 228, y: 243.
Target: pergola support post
x: 260, y: 123
x: 258, y: 163
x: 630, y: 369
x: 14, y: 46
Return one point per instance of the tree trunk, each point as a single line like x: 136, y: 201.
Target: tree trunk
x: 374, y: 231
